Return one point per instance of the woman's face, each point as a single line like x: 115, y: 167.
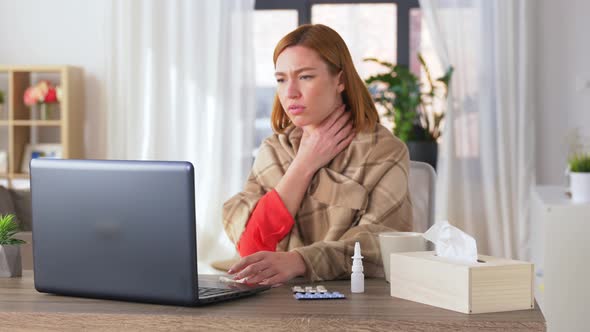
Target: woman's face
x: 306, y: 89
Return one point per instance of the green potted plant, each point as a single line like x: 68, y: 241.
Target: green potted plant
x: 1, y: 104
x: 416, y: 111
x: 579, y: 168
x: 10, y: 259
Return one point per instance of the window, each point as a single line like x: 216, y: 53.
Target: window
x: 368, y: 30
x: 269, y: 27
x: 374, y: 28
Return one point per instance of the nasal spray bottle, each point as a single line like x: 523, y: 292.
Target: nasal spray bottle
x: 357, y: 278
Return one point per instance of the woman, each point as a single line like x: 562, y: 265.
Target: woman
x: 331, y: 175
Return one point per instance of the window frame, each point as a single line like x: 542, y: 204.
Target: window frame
x: 303, y: 8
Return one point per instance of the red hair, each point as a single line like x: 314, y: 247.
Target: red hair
x: 333, y: 51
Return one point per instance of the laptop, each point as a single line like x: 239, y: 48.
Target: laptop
x: 122, y: 230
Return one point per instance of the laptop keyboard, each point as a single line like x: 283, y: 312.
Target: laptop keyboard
x: 207, y: 291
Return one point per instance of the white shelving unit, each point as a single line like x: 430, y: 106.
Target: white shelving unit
x: 19, y: 127
x: 561, y: 246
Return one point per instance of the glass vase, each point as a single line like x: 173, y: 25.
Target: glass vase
x: 43, y: 112
x: 46, y: 111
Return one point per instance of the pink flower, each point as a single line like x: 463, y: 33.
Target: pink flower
x: 43, y: 87
x: 31, y: 96
x: 42, y: 92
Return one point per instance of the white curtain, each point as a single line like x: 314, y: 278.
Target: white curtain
x: 486, y: 160
x: 181, y: 87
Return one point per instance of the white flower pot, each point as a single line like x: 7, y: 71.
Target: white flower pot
x: 10, y: 261
x: 580, y: 187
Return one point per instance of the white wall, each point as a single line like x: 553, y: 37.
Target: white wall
x: 562, y: 68
x: 61, y: 32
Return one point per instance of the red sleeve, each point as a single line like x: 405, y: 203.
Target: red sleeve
x: 269, y: 223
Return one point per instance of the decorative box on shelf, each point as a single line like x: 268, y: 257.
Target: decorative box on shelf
x: 490, y: 285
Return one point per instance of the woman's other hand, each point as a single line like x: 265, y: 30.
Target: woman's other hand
x: 269, y: 268
x: 319, y: 146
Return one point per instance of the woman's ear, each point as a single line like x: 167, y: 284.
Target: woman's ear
x: 341, y: 86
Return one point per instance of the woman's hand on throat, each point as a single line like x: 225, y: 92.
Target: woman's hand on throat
x: 320, y: 145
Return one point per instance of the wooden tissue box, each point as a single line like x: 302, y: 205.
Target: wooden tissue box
x: 491, y: 285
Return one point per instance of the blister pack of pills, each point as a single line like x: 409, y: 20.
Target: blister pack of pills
x: 315, y: 293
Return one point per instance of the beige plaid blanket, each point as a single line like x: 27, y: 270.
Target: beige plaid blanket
x: 363, y: 191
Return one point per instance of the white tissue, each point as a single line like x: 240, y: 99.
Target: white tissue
x: 452, y: 243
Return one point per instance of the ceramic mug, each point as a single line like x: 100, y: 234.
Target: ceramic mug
x: 391, y: 242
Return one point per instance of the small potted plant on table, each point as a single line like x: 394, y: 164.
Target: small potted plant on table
x: 579, y: 167
x: 10, y: 259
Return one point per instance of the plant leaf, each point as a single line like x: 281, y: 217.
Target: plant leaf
x: 580, y: 163
x: 8, y: 229
x: 404, y: 99
x: 383, y: 63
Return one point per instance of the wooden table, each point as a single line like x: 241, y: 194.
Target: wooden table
x: 23, y: 308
